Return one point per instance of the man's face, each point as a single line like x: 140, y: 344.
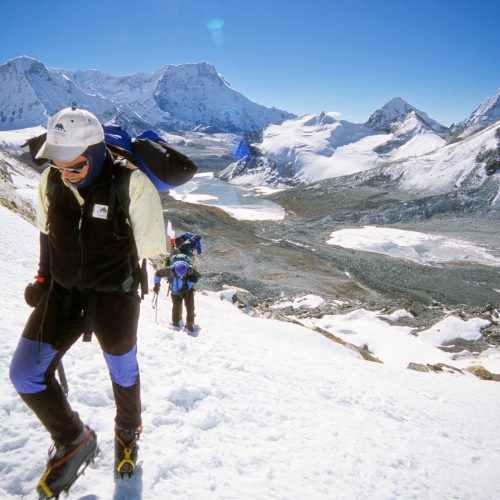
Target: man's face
x: 73, y: 177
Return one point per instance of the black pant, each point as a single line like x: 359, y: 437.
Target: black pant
x: 188, y: 298
x: 57, y: 322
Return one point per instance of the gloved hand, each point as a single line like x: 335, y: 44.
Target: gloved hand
x: 193, y: 275
x: 35, y: 291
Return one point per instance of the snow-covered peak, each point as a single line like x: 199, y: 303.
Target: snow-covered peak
x: 321, y: 119
x: 410, y: 124
x: 195, y: 70
x: 487, y: 112
x: 304, y: 147
x: 22, y: 64
x: 181, y: 97
x: 316, y: 147
x: 450, y: 166
x: 393, y: 110
x: 197, y: 94
x: 31, y: 92
x: 396, y: 110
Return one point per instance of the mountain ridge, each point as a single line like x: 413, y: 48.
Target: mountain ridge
x: 486, y: 113
x: 175, y: 97
x: 394, y: 110
x: 317, y: 147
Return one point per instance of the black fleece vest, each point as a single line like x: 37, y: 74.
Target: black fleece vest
x: 92, y: 246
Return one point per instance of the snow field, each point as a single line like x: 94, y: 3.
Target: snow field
x: 253, y: 408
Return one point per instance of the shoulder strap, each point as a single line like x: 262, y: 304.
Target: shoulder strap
x: 51, y: 183
x: 119, y: 196
x: 119, y: 192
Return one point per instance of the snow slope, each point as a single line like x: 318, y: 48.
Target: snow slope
x: 449, y: 167
x: 412, y: 137
x: 486, y: 113
x: 254, y: 408
x: 310, y: 143
x: 12, y: 140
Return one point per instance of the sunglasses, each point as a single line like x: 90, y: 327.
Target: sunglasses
x: 77, y: 168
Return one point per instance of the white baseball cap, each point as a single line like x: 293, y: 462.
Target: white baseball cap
x: 69, y: 133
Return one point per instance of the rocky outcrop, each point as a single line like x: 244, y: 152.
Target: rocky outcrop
x: 482, y: 373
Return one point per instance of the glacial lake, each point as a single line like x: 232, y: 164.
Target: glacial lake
x: 239, y: 202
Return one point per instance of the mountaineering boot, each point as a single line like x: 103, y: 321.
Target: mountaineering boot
x: 191, y: 329
x: 126, y: 449
x: 66, y: 463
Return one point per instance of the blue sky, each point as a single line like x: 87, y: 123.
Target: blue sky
x: 348, y: 56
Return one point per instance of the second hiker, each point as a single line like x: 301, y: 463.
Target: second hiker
x: 181, y: 275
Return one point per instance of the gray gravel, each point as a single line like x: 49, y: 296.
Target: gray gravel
x: 284, y: 259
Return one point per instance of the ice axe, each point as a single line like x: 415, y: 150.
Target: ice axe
x: 63, y: 381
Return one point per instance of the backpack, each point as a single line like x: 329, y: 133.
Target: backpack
x: 180, y: 264
x: 166, y: 167
x: 187, y: 243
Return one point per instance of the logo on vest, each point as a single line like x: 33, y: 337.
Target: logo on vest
x: 100, y: 211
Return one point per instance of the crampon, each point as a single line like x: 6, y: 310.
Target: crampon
x: 65, y: 465
x: 126, y: 450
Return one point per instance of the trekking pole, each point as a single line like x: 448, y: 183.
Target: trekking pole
x: 154, y: 305
x: 62, y: 378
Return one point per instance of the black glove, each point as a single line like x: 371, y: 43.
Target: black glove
x: 35, y: 291
x: 193, y: 277
x: 156, y: 288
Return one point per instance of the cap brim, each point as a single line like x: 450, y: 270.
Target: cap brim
x: 59, y: 153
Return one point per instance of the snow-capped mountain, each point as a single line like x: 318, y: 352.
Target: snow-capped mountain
x: 196, y: 93
x: 459, y: 179
x: 30, y: 93
x: 460, y: 164
x: 486, y: 113
x: 317, y: 147
x: 397, y: 109
x: 182, y: 97
x: 397, y: 138
x: 411, y: 136
x: 306, y: 145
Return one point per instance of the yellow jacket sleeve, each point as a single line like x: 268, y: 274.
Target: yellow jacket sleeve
x: 42, y: 204
x: 146, y: 216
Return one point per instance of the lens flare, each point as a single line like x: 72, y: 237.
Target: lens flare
x: 215, y: 24
x: 215, y: 27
